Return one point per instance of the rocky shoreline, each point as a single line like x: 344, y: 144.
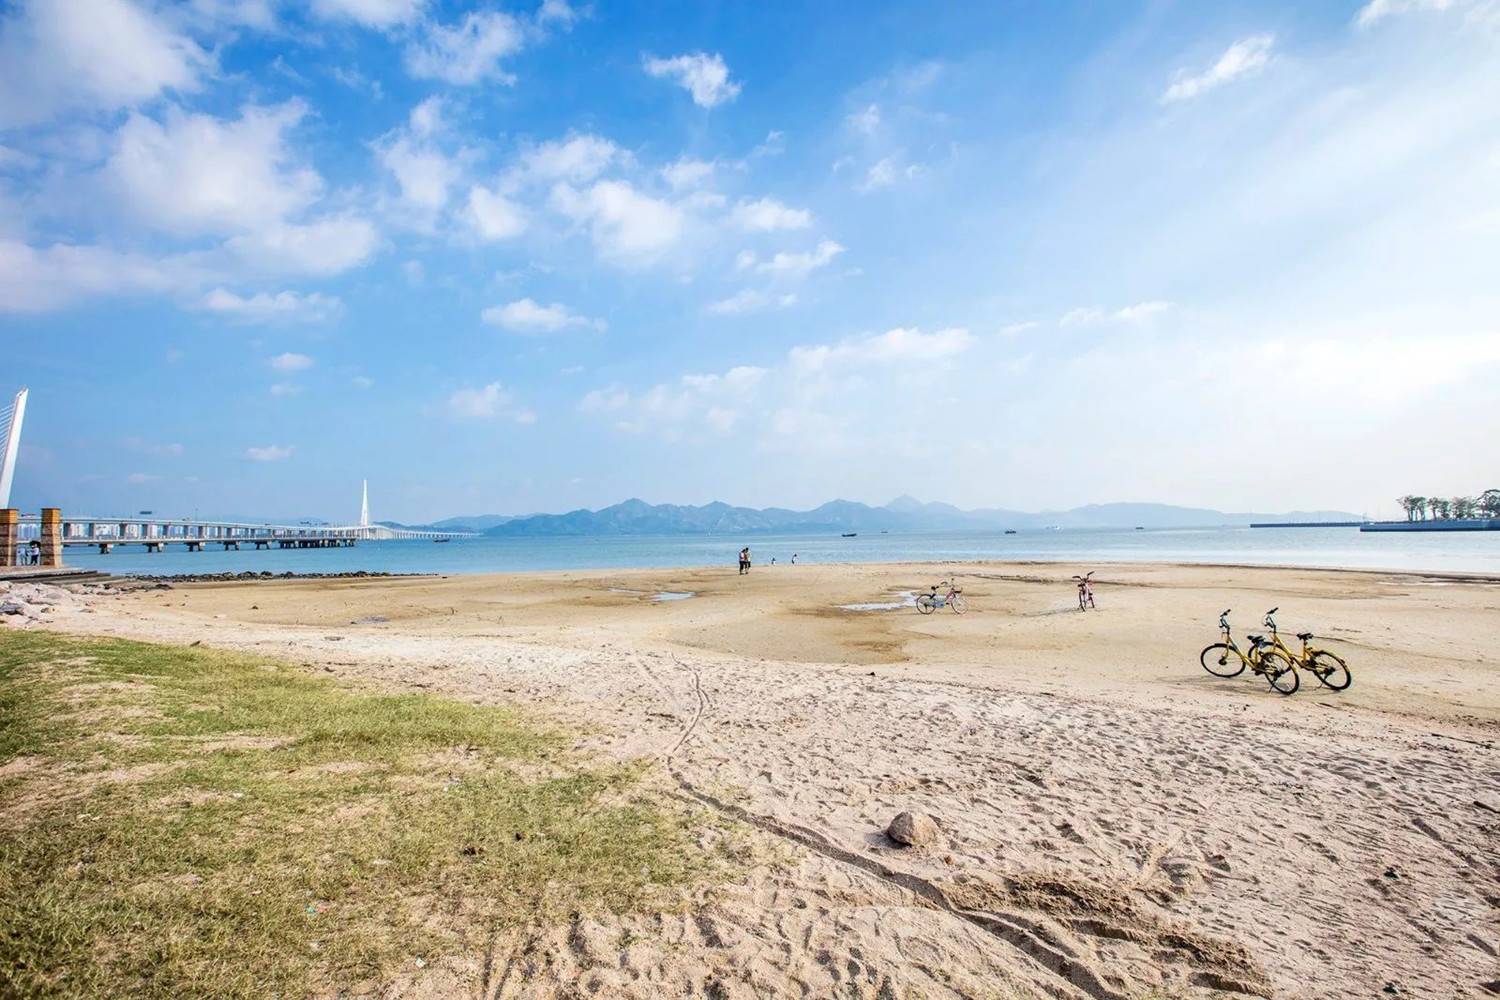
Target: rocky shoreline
x: 248, y: 576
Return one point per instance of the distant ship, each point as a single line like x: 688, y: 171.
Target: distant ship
x: 850, y: 534
x: 1010, y: 531
x: 435, y: 541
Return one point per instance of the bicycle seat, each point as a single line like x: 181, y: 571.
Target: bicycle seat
x: 1304, y: 636
x: 1257, y: 639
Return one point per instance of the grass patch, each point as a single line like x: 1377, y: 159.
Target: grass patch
x: 193, y: 823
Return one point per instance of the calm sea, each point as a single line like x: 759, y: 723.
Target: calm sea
x: 1078, y: 548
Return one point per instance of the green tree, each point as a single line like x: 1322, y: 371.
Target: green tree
x: 1489, y: 503
x: 1419, y: 508
x: 1464, y: 507
x: 1437, y: 508
x: 1409, y: 504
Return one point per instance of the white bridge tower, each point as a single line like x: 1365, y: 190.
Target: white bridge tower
x: 10, y: 443
x: 364, y: 504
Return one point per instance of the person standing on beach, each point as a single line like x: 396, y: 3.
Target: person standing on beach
x: 744, y: 560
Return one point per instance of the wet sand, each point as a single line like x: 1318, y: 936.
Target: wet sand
x: 1114, y: 822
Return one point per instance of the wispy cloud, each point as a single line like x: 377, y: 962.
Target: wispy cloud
x: 469, y: 51
x: 704, y: 76
x: 529, y: 316
x: 273, y: 307
x: 488, y: 402
x: 291, y: 361
x: 767, y: 214
x: 269, y: 453
x: 1244, y: 57
x: 750, y: 300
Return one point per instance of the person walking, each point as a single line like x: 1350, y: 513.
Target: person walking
x: 744, y: 560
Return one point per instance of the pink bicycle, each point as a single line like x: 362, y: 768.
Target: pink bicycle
x: 1085, y: 591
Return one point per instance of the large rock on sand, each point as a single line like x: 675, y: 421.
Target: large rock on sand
x: 912, y: 829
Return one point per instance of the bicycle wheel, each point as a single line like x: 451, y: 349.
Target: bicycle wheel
x: 925, y: 604
x: 1222, y: 661
x: 958, y: 604
x: 1331, y: 670
x: 1279, y: 672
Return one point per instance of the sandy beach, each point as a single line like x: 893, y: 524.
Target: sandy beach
x: 1113, y: 821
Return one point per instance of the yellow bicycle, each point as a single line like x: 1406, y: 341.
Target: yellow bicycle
x: 1329, y: 668
x: 1226, y: 659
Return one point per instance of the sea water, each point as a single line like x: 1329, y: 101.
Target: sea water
x: 1078, y: 549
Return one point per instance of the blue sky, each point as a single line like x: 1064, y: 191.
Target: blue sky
x: 505, y: 258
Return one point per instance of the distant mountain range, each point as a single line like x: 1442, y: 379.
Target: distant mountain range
x: 636, y: 517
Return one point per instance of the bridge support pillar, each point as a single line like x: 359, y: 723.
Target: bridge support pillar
x: 104, y: 548
x: 262, y: 545
x: 195, y: 546
x: 10, y: 534
x: 153, y: 546
x: 52, y: 543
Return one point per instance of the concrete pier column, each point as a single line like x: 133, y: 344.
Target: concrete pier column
x: 10, y: 535
x: 52, y: 546
x: 104, y: 548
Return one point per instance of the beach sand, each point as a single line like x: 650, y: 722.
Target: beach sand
x: 1113, y: 821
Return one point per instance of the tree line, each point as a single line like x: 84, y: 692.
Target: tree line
x: 1487, y: 504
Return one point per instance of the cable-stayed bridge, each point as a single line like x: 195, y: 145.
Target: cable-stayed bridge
x: 41, y: 538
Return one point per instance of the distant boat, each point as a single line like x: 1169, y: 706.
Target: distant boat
x: 850, y: 534
x: 1139, y: 528
x: 437, y: 540
x: 1010, y: 531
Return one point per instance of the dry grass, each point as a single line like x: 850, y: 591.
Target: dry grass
x: 192, y: 823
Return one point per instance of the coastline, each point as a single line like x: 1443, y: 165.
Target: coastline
x: 1090, y: 781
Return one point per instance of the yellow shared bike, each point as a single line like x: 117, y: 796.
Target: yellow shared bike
x: 1329, y: 668
x: 1225, y: 659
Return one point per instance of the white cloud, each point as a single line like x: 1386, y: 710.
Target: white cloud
x: 138, y: 478
x: 768, y: 214
x: 774, y: 144
x: 493, y: 216
x: 488, y: 402
x: 426, y: 119
x: 625, y: 224
x: 608, y: 400
x: 195, y: 174
x: 797, y: 265
x: 528, y: 316
x: 291, y: 362
x: 33, y: 280
x: 866, y: 120
x: 269, y: 453
x: 1138, y: 313
x: 1378, y: 10
x: 325, y: 247
x: 370, y: 13
x: 887, y: 171
x: 704, y: 76
x: 468, y: 52
x: 266, y: 307
x: 749, y: 300
x: 898, y: 345
x: 687, y: 173
x: 578, y: 158
x: 1248, y: 55
x: 89, y: 55
x: 556, y: 12
x: 166, y: 450
x: 361, y: 382
x: 285, y: 389
x: 424, y: 173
